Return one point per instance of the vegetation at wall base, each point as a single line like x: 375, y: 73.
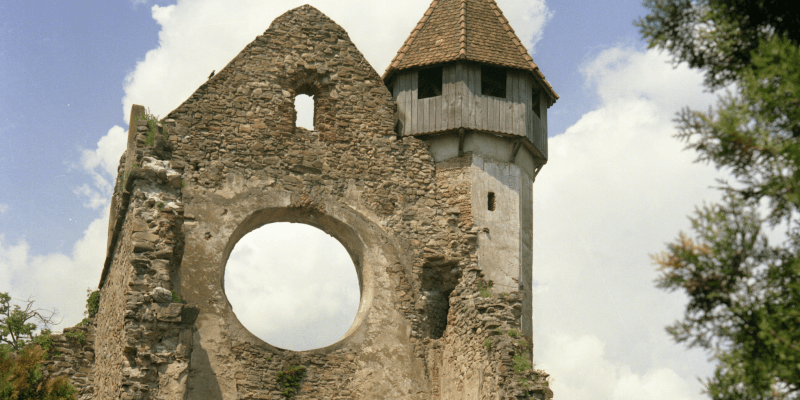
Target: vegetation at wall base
x: 289, y: 380
x: 22, y: 352
x: 77, y: 336
x: 22, y: 378
x: 744, y: 291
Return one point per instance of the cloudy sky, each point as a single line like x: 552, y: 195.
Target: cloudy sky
x: 616, y: 188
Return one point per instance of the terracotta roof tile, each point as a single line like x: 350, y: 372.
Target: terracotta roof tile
x: 473, y: 30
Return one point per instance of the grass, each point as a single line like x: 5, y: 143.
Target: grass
x: 521, y: 364
x: 485, y: 288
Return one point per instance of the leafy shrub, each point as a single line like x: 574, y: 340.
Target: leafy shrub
x: 78, y: 336
x: 289, y: 380
x: 45, y: 342
x: 93, y: 303
x: 21, y: 377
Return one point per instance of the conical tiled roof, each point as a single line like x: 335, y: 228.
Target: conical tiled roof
x: 473, y: 30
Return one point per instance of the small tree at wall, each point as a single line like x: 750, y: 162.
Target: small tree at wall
x: 22, y: 352
x: 18, y: 325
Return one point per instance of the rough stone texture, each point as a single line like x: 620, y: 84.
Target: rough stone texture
x: 74, y: 357
x: 229, y: 160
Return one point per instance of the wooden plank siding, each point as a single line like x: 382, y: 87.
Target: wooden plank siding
x: 461, y: 105
x: 409, y: 104
x: 414, y: 104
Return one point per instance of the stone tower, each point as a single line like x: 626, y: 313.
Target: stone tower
x: 465, y: 84
x: 427, y: 182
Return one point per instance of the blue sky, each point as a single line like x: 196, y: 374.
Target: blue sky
x: 65, y: 63
x: 616, y: 188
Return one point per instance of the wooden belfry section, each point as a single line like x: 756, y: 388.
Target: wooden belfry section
x: 487, y: 80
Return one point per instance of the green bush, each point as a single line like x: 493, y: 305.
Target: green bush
x: 78, y: 336
x: 46, y: 342
x: 289, y: 380
x: 21, y: 377
x: 93, y: 303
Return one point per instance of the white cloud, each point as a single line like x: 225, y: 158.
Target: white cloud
x: 292, y: 285
x: 55, y: 281
x: 616, y: 188
x: 622, y: 74
x: 3, y: 208
x: 528, y: 18
x: 200, y: 36
x: 581, y: 370
x: 101, y: 164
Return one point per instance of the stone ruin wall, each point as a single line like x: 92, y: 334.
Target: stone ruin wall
x: 425, y: 330
x: 74, y: 358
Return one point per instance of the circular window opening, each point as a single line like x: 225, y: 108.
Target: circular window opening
x: 293, y: 286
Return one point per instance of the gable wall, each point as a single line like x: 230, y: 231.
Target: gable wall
x: 231, y: 160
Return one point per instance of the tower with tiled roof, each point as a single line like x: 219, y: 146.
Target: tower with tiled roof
x: 464, y: 83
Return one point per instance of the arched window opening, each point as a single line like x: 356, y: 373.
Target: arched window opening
x: 304, y: 105
x: 293, y: 286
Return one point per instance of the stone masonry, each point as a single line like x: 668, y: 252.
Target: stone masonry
x: 229, y: 160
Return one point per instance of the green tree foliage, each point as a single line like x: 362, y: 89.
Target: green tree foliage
x: 22, y: 378
x: 744, y: 292
x: 717, y: 35
x: 18, y: 325
x: 22, y: 352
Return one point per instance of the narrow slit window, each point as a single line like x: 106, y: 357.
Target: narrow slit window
x: 535, y: 102
x: 304, y: 108
x: 491, y: 201
x: 430, y: 82
x: 493, y: 81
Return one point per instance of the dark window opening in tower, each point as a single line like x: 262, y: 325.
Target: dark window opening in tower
x: 391, y: 90
x: 491, y: 201
x: 535, y: 102
x: 304, y: 106
x: 493, y: 81
x: 430, y: 82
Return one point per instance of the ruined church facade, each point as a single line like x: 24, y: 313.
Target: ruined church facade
x: 424, y: 174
